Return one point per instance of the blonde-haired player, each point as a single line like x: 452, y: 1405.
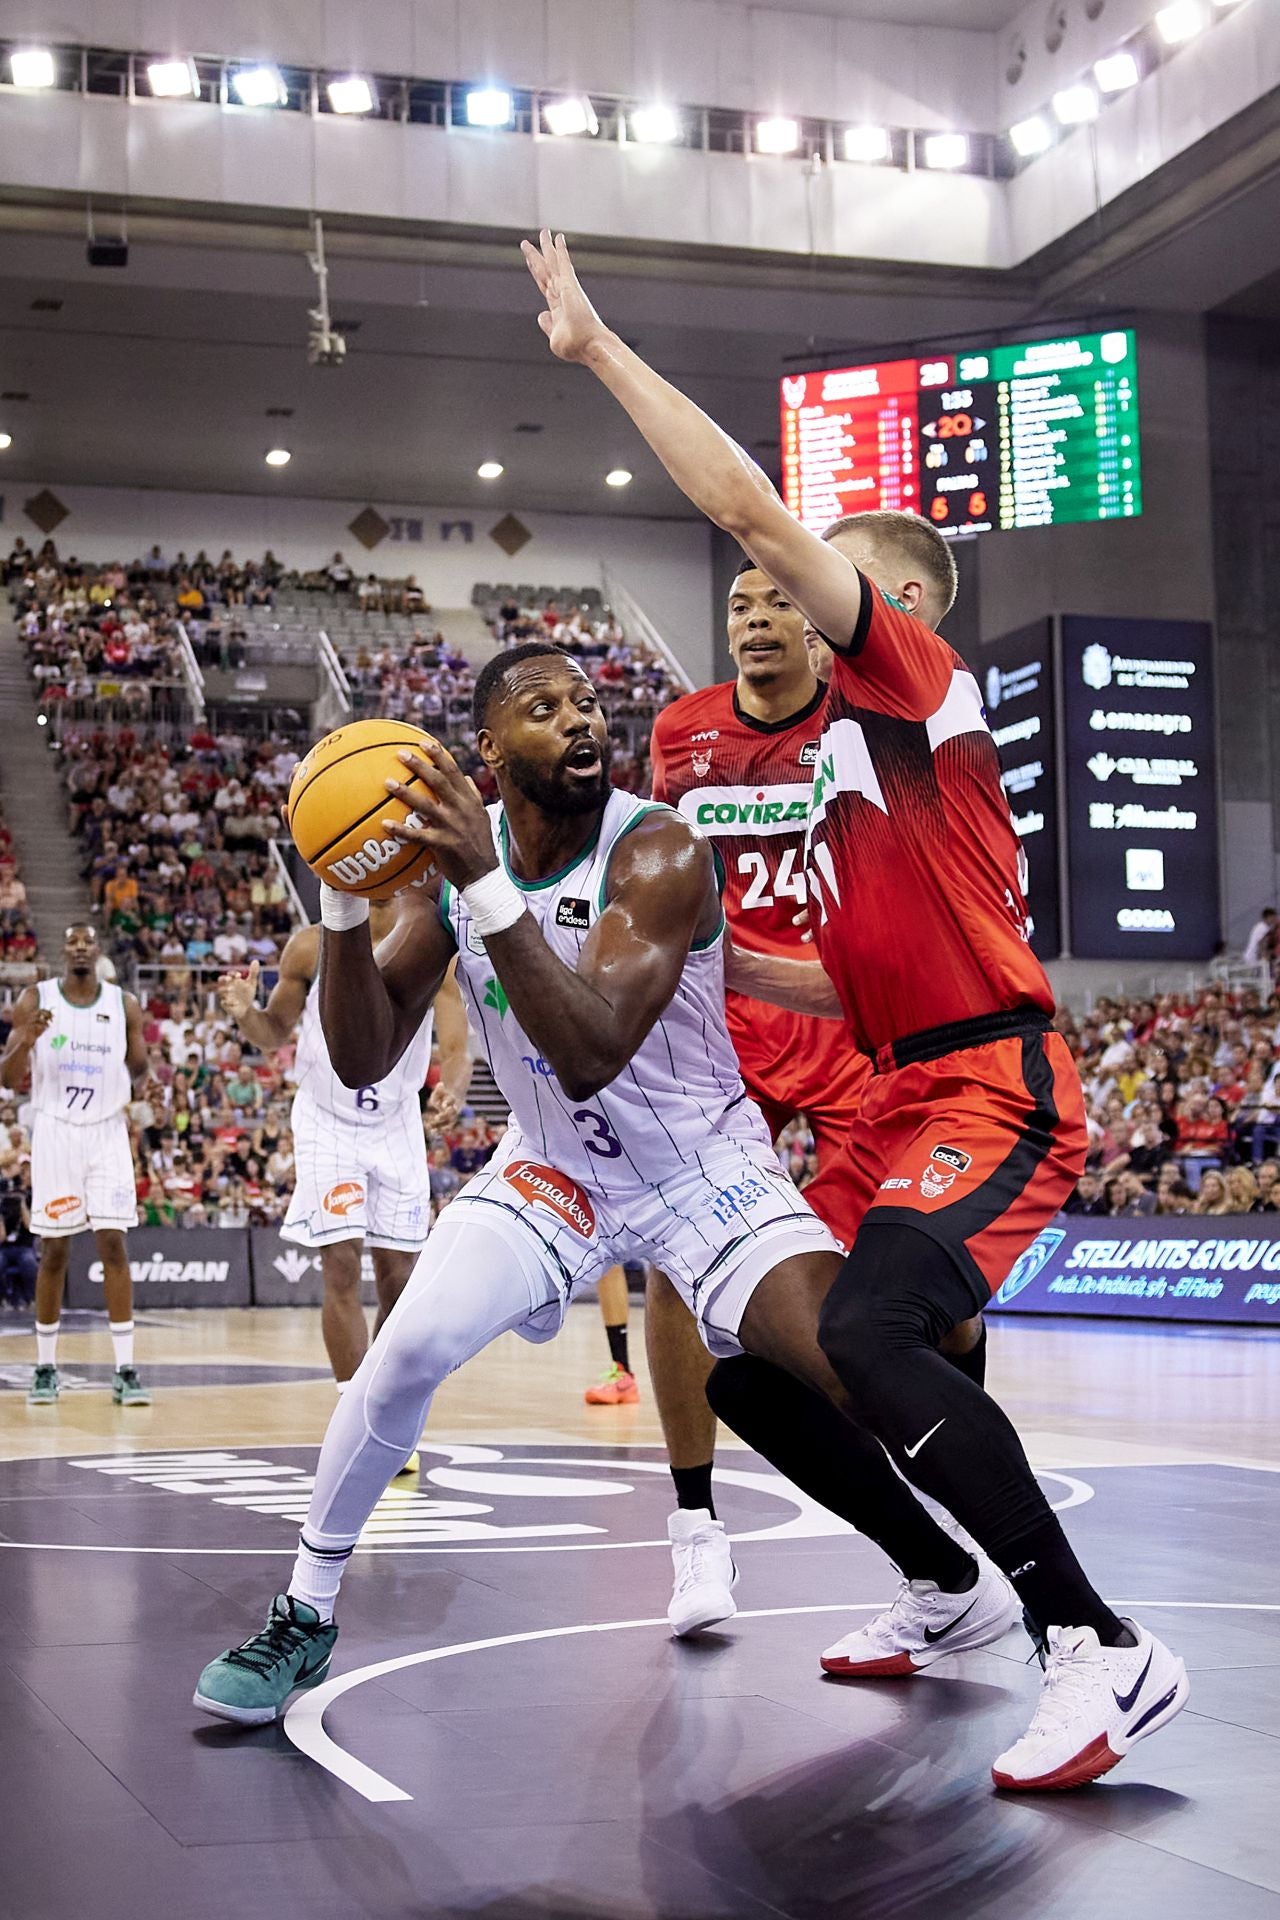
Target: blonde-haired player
x: 360, y: 1163
x: 81, y: 1038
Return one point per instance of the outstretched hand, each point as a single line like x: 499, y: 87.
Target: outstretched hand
x: 569, y: 320
x: 449, y: 817
x: 237, y: 992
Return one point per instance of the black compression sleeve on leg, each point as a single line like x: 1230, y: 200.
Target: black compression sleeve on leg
x: 618, y: 1353
x: 693, y: 1488
x: 973, y: 1365
x: 896, y: 1296
x: 806, y: 1437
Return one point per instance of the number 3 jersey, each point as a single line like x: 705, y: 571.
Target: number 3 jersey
x: 680, y: 1088
x: 78, y: 1071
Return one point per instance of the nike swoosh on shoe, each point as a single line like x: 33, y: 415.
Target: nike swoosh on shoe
x: 1125, y: 1700
x: 933, y: 1634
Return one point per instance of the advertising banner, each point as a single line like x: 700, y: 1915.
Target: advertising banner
x: 285, y: 1275
x: 171, y: 1266
x: 1226, y: 1268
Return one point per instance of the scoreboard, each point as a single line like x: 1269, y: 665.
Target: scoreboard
x: 1030, y: 435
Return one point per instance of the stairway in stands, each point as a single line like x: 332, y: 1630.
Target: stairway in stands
x: 35, y: 806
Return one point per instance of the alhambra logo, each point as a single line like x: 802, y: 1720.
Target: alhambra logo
x: 495, y: 996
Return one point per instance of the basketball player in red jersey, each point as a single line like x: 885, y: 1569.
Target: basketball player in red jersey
x: 737, y: 760
x: 973, y: 1128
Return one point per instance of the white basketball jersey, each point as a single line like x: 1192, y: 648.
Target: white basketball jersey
x: 680, y: 1087
x: 318, y: 1086
x: 78, y: 1070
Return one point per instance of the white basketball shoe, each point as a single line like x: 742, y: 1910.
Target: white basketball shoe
x: 1095, y: 1704
x: 704, y: 1572
x: 924, y: 1625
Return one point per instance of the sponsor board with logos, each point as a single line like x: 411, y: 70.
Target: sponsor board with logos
x: 171, y: 1266
x: 1225, y: 1269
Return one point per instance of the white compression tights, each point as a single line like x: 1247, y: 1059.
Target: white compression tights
x: 475, y: 1280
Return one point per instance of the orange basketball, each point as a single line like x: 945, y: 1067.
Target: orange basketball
x: 338, y: 801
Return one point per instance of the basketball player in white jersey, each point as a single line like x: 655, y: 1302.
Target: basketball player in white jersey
x: 589, y: 938
x: 360, y: 1164
x: 81, y: 1038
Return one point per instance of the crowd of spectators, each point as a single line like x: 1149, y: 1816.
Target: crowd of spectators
x: 17, y: 933
x: 175, y: 842
x: 1183, y: 1101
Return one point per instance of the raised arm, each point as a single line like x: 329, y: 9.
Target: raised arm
x: 587, y: 1021
x: 372, y: 1001
x: 270, y: 1027
x: 709, y: 468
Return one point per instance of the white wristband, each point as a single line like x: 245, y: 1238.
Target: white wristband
x: 493, y: 902
x: 341, y: 911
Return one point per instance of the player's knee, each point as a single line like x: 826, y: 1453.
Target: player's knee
x: 340, y: 1267
x: 897, y: 1291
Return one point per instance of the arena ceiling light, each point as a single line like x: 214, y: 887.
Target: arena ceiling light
x: 173, y: 79
x: 6, y: 441
x: 1074, y: 105
x: 1180, y: 22
x: 490, y: 470
x: 653, y: 126
x: 259, y: 87
x: 572, y: 114
x: 777, y: 135
x: 31, y: 67
x: 1032, y: 136
x: 351, y: 93
x: 1116, y: 72
x: 945, y: 152
x: 618, y: 477
x: 869, y: 145
x: 279, y: 457
x: 488, y: 107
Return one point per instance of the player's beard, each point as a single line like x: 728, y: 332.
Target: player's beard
x: 556, y: 792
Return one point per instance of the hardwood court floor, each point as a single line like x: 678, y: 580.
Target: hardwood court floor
x: 509, y: 1731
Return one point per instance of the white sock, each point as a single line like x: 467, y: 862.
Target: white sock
x: 47, y: 1344
x: 122, y: 1342
x: 317, y: 1577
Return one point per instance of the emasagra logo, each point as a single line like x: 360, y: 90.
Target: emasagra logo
x: 1029, y: 1263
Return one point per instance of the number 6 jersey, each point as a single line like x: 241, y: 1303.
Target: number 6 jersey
x: 78, y: 1071
x: 682, y: 1085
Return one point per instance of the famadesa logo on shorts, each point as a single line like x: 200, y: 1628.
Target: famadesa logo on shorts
x: 65, y: 1203
x: 553, y: 1190
x: 344, y: 1198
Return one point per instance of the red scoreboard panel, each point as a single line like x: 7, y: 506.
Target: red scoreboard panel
x: 849, y: 441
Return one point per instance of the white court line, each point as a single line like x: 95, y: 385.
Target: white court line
x: 304, y: 1721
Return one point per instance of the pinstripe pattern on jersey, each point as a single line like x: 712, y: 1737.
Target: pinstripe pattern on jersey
x: 78, y: 1070
x: 681, y: 1087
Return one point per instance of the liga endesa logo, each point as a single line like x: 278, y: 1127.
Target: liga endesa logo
x: 554, y: 1190
x: 344, y: 1198
x: 65, y: 1203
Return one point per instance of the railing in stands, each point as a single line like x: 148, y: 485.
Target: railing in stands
x: 637, y: 625
x: 275, y: 852
x: 191, y: 673
x: 334, y: 704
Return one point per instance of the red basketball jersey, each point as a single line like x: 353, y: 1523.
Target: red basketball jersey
x: 745, y: 784
x: 916, y: 875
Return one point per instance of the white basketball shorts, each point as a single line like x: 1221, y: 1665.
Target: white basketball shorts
x: 358, y: 1182
x: 715, y: 1228
x: 81, y: 1176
